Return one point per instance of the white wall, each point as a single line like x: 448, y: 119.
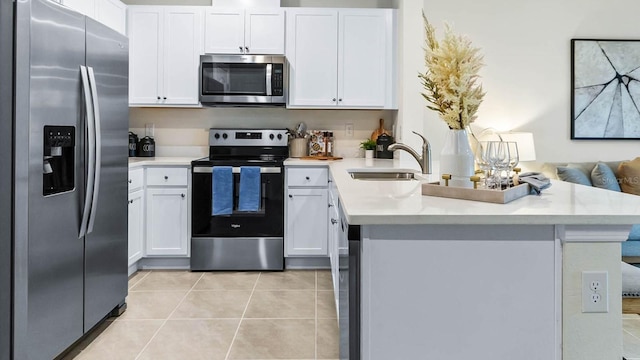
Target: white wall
x: 526, y: 47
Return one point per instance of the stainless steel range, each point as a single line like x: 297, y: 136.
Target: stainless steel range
x: 239, y: 239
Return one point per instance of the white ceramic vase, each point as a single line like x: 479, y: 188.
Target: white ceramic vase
x: 456, y: 159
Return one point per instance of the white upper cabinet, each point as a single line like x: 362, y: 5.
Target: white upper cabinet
x: 341, y: 58
x: 244, y: 31
x: 112, y: 13
x: 165, y: 45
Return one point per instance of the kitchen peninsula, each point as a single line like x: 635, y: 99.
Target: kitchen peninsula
x: 447, y: 278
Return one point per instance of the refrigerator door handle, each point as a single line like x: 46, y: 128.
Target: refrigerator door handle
x: 89, y: 151
x: 98, y: 149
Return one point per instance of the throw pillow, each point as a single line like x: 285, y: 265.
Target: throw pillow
x: 573, y: 174
x: 629, y: 173
x: 603, y: 177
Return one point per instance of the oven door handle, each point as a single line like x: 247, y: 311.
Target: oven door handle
x: 236, y: 170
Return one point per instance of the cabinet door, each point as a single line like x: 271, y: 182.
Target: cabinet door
x: 362, y: 58
x: 112, y: 13
x: 86, y: 7
x: 183, y: 34
x: 224, y: 31
x: 306, y: 222
x: 145, y: 30
x: 312, y: 49
x: 167, y: 222
x: 136, y: 227
x: 264, y: 31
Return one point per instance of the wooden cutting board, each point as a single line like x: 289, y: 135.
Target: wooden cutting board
x: 321, y: 158
x: 379, y: 131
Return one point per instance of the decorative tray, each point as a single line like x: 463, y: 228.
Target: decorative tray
x: 485, y: 195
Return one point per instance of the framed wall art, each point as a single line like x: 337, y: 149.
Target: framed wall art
x: 605, y: 89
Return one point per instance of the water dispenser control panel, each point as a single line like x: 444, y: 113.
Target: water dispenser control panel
x: 58, y: 163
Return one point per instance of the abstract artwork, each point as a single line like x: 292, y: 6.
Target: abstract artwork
x: 605, y: 101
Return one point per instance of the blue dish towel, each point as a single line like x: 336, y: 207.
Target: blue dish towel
x: 222, y: 190
x: 249, y: 196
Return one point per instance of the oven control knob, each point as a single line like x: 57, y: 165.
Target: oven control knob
x: 279, y: 136
x: 224, y: 136
x: 217, y: 136
x: 271, y: 136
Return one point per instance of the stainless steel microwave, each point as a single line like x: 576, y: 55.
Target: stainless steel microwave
x: 243, y: 80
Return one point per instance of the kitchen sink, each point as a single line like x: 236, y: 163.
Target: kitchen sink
x: 383, y: 175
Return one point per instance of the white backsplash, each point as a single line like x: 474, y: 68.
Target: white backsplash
x: 185, y: 132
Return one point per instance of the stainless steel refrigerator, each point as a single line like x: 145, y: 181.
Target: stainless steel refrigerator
x: 65, y: 198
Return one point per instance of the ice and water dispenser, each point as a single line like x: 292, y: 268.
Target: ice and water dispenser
x: 58, y: 162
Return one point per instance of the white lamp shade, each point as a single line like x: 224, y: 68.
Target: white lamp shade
x: 526, y: 148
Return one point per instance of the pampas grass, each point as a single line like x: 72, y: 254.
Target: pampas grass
x: 451, y: 80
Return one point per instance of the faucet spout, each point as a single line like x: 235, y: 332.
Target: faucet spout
x: 424, y: 160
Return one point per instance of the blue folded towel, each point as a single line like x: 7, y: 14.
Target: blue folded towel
x: 249, y: 196
x: 222, y: 190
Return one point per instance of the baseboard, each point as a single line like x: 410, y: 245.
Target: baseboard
x: 306, y: 263
x: 165, y: 263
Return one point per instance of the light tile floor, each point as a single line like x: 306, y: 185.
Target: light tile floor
x: 220, y: 315
x: 631, y: 336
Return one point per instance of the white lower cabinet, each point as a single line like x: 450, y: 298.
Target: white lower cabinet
x: 167, y: 221
x: 136, y: 226
x: 306, y: 220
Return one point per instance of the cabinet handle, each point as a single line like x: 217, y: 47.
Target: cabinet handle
x: 334, y: 99
x: 165, y: 98
x: 182, y: 195
x: 339, y: 99
x: 240, y: 47
x: 306, y: 177
x: 290, y: 196
x: 130, y: 201
x: 158, y: 97
x: 130, y: 181
x: 166, y: 177
x: 330, y: 205
x: 246, y: 48
x: 334, y: 221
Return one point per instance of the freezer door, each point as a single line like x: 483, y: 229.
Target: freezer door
x: 106, y: 240
x: 48, y: 253
x: 6, y: 141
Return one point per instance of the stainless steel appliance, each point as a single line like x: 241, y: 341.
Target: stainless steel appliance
x: 243, y: 80
x: 66, y: 195
x: 241, y: 240
x: 349, y: 291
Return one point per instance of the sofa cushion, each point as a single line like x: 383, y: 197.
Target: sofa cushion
x: 602, y: 176
x: 574, y: 173
x: 629, y: 174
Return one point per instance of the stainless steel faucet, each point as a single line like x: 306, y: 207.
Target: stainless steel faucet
x: 424, y: 160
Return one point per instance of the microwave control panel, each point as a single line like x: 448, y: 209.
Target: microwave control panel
x: 277, y: 80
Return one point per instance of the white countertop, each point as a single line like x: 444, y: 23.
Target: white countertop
x: 367, y: 202
x: 135, y: 162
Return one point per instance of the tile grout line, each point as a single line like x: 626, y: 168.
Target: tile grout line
x: 138, y: 282
x: 168, y: 317
x: 242, y: 317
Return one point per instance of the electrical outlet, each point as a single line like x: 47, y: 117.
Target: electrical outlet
x: 595, y: 290
x: 348, y: 130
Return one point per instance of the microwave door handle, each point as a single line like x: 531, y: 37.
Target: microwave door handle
x: 269, y: 70
x: 90, y: 149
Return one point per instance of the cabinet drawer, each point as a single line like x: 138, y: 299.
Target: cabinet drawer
x: 166, y: 176
x: 135, y: 179
x: 307, y: 176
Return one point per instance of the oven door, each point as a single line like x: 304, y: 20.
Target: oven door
x: 268, y: 221
x: 236, y: 79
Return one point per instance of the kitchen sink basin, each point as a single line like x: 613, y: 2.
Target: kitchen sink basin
x: 383, y: 176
